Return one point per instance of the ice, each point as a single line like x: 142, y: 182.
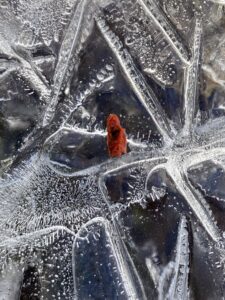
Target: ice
x: 19, y: 55
x: 137, y: 82
x: 68, y: 50
x: 75, y: 223
x: 191, y: 81
x: 107, y: 270
x: 178, y: 271
x: 161, y: 20
x: 221, y: 2
x: 104, y: 75
x: 11, y: 282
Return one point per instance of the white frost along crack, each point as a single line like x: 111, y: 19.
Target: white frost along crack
x: 127, y: 283
x: 221, y: 2
x: 191, y: 79
x: 201, y: 210
x: 27, y: 70
x: 177, y: 150
x: 137, y: 82
x: 172, y: 280
x: 69, y: 51
x: 104, y: 75
x: 18, y: 55
x: 177, y: 272
x: 160, y: 19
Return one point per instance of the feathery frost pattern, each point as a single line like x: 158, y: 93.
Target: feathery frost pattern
x: 196, y: 202
x: 191, y: 80
x: 75, y: 223
x: 67, y: 56
x: 137, y: 82
x: 161, y: 20
x: 96, y: 243
x: 177, y: 272
x: 104, y: 75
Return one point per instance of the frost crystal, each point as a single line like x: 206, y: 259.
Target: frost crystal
x: 74, y: 223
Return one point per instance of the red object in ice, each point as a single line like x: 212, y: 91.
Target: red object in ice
x: 116, y: 137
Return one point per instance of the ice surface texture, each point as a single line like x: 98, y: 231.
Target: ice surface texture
x: 74, y: 223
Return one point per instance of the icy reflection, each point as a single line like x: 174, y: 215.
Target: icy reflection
x: 76, y: 224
